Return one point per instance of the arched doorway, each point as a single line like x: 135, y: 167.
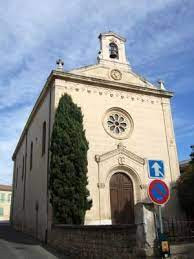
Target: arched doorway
x: 121, y: 199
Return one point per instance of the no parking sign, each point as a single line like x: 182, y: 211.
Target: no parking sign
x: 158, y: 192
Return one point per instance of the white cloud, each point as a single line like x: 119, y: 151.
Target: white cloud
x: 183, y: 127
x: 6, y: 165
x: 32, y: 38
x: 10, y: 129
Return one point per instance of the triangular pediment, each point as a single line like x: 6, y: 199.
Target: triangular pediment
x: 103, y: 72
x: 120, y: 150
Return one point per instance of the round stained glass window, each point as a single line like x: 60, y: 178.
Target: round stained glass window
x: 118, y: 123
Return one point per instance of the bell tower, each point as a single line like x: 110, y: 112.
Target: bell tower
x: 112, y: 50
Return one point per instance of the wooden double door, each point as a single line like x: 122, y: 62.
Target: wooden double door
x: 121, y: 199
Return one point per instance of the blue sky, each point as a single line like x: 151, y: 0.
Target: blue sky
x: 34, y: 34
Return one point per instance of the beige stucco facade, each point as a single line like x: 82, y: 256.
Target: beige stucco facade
x: 5, y: 202
x: 109, y: 86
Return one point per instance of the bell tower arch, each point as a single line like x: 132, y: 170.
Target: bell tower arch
x: 112, y: 49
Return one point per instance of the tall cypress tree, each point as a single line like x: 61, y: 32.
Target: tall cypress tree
x: 68, y: 166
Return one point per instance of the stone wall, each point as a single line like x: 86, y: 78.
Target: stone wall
x: 182, y: 251
x: 94, y: 241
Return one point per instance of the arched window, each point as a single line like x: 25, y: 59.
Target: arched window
x: 43, y: 138
x: 31, y: 155
x: 113, y: 50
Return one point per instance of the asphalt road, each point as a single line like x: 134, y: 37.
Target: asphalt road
x: 17, y: 245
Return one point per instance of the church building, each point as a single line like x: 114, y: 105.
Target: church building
x: 127, y: 122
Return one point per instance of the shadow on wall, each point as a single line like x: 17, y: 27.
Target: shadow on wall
x: 172, y: 207
x: 9, y: 234
x: 24, y: 243
x: 124, y: 216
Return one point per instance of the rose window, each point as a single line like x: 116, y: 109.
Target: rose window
x: 117, y: 123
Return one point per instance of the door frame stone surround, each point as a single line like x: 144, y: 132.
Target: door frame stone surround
x: 126, y: 192
x: 119, y: 160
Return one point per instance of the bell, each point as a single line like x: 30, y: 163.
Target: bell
x: 113, y: 53
x: 113, y: 50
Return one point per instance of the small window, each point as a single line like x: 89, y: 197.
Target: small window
x: 23, y: 168
x: 31, y: 155
x: 1, y: 212
x: 43, y: 138
x: 2, y: 197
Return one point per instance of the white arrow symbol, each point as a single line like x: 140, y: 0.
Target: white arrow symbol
x: 157, y: 169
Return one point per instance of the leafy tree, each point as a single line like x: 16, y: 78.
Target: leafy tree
x: 68, y: 166
x: 185, y: 186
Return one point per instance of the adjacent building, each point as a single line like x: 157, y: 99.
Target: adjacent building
x: 5, y: 202
x: 127, y: 121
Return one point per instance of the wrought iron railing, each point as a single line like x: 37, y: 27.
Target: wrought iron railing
x: 179, y: 230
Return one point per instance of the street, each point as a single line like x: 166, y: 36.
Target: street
x: 14, y: 244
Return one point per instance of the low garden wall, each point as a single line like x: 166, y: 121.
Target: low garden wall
x: 104, y: 241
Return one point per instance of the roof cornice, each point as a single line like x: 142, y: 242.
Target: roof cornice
x: 110, y: 33
x: 111, y: 84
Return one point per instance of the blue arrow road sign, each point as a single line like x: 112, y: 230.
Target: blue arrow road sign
x: 156, y: 169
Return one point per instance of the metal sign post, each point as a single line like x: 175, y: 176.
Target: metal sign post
x: 160, y: 219
x: 159, y: 193
x: 162, y: 238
